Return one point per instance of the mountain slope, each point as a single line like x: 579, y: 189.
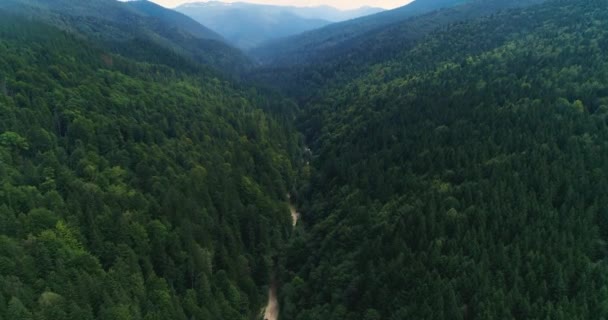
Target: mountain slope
x: 247, y: 25
x: 175, y: 19
x: 305, y: 73
x: 130, y: 190
x: 295, y: 50
x: 134, y: 28
x: 460, y: 180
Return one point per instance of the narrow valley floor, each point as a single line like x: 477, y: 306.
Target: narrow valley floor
x: 271, y: 311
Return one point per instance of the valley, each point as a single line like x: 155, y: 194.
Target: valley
x: 271, y: 311
x: 442, y: 160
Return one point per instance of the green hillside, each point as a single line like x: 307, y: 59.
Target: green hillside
x: 173, y: 18
x: 131, y: 190
x: 303, y: 66
x: 140, y: 30
x: 462, y: 179
x: 302, y: 48
x: 448, y: 162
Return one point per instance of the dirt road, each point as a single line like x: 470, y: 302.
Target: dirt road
x: 271, y: 312
x: 295, y: 215
x: 272, y: 308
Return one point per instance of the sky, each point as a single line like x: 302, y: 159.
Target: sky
x: 342, y: 4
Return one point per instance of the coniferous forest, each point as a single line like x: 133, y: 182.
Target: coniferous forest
x: 450, y: 162
x: 131, y: 190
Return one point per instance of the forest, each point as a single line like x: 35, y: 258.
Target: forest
x: 462, y: 179
x: 132, y: 190
x: 448, y: 164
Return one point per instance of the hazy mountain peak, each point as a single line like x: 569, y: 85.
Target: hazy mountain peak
x: 247, y: 25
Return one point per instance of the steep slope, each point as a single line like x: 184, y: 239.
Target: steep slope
x: 297, y: 49
x: 305, y: 73
x: 462, y: 179
x: 130, y: 190
x: 248, y: 25
x: 174, y: 18
x: 134, y: 28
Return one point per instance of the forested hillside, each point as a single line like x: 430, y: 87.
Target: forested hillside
x: 131, y: 190
x: 448, y: 162
x: 140, y: 30
x: 304, y: 47
x: 306, y: 67
x: 174, y: 19
x: 462, y: 179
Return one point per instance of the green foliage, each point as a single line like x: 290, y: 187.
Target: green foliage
x: 457, y: 175
x: 462, y: 179
x: 13, y: 140
x: 331, y: 56
x: 140, y: 30
x: 132, y: 190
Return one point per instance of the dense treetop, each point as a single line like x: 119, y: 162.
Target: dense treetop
x: 455, y: 167
x: 140, y: 30
x: 307, y: 67
x: 462, y: 179
x: 131, y: 190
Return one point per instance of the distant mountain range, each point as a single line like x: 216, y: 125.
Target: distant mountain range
x: 248, y: 25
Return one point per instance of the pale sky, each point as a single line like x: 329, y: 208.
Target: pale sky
x: 342, y: 4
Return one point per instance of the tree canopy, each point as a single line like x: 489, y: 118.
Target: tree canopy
x: 131, y: 190
x: 463, y: 178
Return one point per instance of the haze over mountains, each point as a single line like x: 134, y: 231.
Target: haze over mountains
x: 248, y: 25
x: 446, y: 160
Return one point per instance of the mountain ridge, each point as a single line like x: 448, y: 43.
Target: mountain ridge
x: 335, y: 34
x: 302, y: 67
x: 248, y: 25
x: 132, y: 27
